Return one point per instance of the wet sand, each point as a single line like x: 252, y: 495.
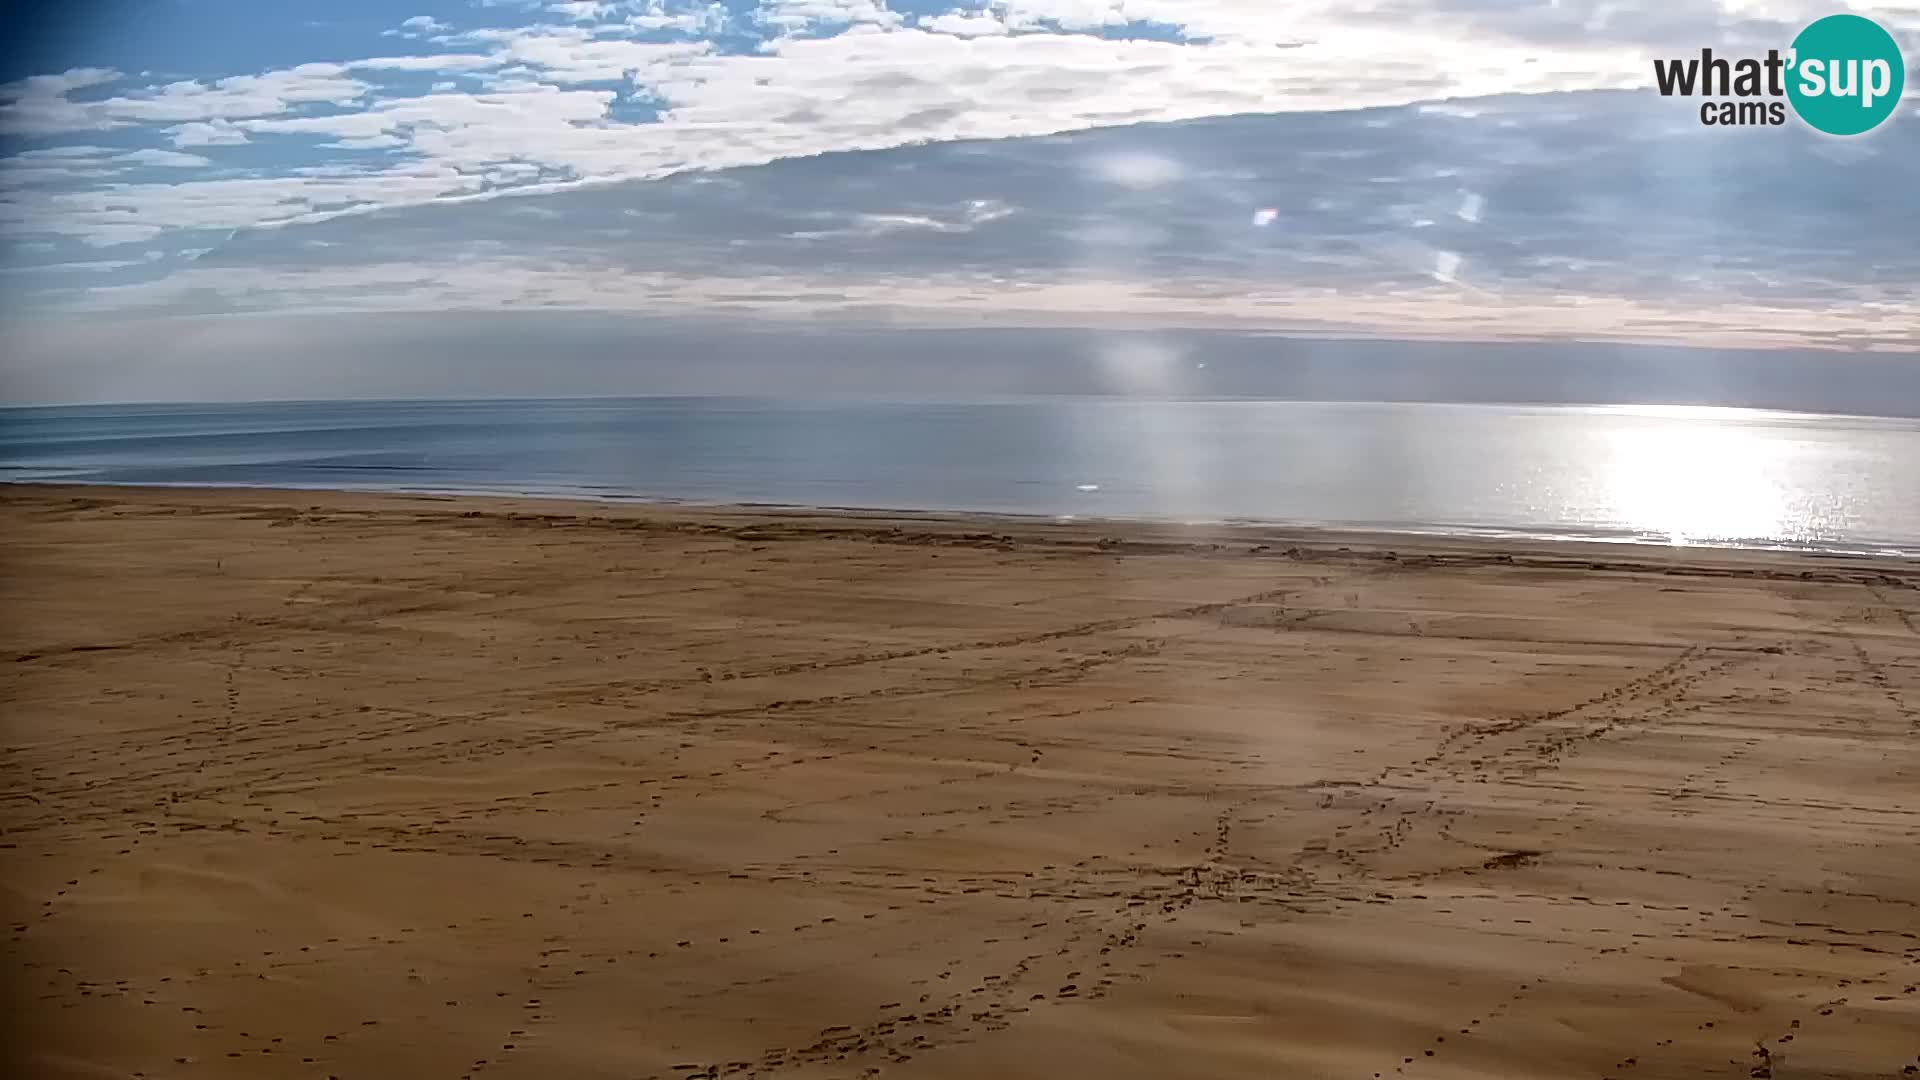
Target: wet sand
x: 307, y: 785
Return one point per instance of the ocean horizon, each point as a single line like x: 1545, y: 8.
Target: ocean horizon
x: 1653, y: 473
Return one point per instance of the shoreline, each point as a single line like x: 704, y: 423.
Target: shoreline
x: 1134, y: 535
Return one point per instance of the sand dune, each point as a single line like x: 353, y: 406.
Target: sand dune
x: 341, y: 785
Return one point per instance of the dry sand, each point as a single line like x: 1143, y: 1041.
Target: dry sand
x: 310, y: 785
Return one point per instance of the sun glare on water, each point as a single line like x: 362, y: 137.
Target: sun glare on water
x: 1691, y: 476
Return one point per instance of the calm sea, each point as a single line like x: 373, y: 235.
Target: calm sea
x: 1712, y: 476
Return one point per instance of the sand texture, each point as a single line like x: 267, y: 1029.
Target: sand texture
x: 308, y: 785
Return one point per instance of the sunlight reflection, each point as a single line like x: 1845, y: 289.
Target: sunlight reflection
x: 1139, y: 170
x: 1141, y: 368
x: 1701, y: 480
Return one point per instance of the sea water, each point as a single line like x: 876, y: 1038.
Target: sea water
x: 1667, y: 474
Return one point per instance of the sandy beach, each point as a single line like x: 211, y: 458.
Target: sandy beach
x: 313, y: 784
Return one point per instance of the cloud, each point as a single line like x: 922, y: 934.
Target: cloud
x: 240, y: 95
x: 472, y: 130
x: 866, y: 226
x: 779, y: 303
x: 447, y: 62
x: 1397, y: 152
x: 581, y: 10
x: 134, y: 212
x: 638, y: 16
x: 417, y: 26
x: 42, y: 105
x: 69, y: 164
x: 166, y: 158
x: 207, y: 133
x: 964, y: 24
x: 566, y: 55
x: 1500, y: 221
x: 1079, y: 14
x: 837, y: 75
x: 87, y: 266
x: 64, y: 152
x: 39, y: 104
x: 793, y: 16
x: 1384, y: 26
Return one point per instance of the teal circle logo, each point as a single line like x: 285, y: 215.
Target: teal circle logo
x: 1845, y: 75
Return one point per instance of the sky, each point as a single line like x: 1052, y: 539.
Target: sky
x: 205, y: 199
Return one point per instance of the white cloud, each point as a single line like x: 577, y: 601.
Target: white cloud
x: 1081, y: 14
x: 169, y: 158
x: 792, y: 16
x: 127, y: 213
x: 42, y: 105
x: 61, y: 84
x: 84, y: 266
x: 417, y: 26
x: 606, y: 16
x: 207, y: 133
x: 64, y: 165
x: 571, y: 55
x: 447, y: 122
x: 442, y: 62
x: 241, y: 95
x: 964, y: 24
x: 581, y: 10
x: 870, y: 225
x: 78, y: 151
x: 39, y: 104
x: 115, y: 228
x: 23, y: 172
x: 712, y: 19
